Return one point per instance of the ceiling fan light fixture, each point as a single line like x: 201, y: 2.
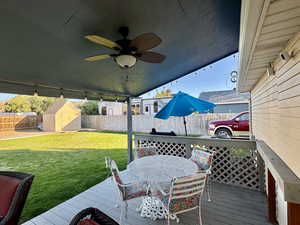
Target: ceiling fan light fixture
x: 126, y: 61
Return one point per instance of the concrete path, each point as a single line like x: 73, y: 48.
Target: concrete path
x: 6, y: 135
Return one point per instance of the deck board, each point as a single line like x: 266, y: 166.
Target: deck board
x: 230, y: 206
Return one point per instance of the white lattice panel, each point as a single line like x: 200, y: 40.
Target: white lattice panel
x: 236, y: 165
x: 166, y: 148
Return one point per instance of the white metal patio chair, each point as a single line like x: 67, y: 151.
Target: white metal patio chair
x: 144, y: 151
x: 107, y: 165
x: 126, y: 191
x: 204, y: 160
x: 184, y: 195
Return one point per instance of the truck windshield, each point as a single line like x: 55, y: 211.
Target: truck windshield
x: 243, y: 117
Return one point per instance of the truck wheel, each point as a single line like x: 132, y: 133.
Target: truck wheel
x: 223, y: 132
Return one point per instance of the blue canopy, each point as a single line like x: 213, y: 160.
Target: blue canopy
x: 183, y: 104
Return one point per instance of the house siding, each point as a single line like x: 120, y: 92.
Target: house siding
x: 276, y: 108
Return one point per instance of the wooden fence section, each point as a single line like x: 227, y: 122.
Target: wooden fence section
x: 8, y: 123
x: 236, y: 162
x: 196, y: 124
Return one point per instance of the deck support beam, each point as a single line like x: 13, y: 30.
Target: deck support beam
x: 129, y: 130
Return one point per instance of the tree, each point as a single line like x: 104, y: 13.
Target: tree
x: 2, y: 106
x: 164, y: 93
x: 24, y: 103
x: 89, y: 108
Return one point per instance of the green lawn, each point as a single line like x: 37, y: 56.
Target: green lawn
x: 63, y: 164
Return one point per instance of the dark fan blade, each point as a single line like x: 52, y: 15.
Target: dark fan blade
x: 145, y: 42
x: 151, y: 57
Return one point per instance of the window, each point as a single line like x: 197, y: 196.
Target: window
x: 146, y: 109
x: 155, y: 107
x: 244, y: 117
x: 135, y: 109
x: 104, y: 110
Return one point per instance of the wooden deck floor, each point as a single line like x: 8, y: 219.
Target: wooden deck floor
x: 230, y: 206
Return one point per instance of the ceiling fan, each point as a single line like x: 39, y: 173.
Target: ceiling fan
x: 129, y: 51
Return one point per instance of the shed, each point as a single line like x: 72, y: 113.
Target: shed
x: 62, y: 115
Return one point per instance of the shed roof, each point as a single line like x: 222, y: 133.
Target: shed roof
x: 42, y: 44
x: 59, y: 104
x: 226, y: 96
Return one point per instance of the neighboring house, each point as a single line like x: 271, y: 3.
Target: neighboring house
x: 112, y: 108
x: 137, y: 106
x: 149, y: 106
x: 228, y: 101
x: 62, y: 115
x: 270, y: 71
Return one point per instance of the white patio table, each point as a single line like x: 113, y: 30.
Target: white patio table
x: 158, y: 171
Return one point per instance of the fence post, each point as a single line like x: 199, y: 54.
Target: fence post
x: 188, y: 148
x: 261, y: 172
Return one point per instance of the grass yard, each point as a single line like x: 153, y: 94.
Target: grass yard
x: 64, y: 164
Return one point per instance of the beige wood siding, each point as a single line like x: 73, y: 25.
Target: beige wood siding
x: 49, y: 122
x: 276, y: 108
x: 279, y: 22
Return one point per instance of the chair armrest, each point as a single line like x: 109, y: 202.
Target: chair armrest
x: 163, y: 192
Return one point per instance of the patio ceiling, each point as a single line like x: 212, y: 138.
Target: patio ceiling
x: 42, y: 45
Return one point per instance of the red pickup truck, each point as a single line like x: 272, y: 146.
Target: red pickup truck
x: 238, y: 126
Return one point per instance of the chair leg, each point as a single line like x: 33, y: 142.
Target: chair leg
x: 200, y: 215
x: 121, y: 216
x: 126, y: 209
x: 139, y: 208
x: 169, y: 222
x: 208, y: 189
x: 123, y: 212
x: 117, y: 203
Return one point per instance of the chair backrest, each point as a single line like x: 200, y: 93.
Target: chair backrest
x: 202, y: 158
x: 107, y: 162
x: 145, y: 151
x: 115, y: 173
x: 13, y: 193
x: 185, y: 193
x: 117, y: 179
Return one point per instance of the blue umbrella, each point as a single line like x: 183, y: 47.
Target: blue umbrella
x: 183, y: 105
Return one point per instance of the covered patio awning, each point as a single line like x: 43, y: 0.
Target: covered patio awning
x: 42, y: 44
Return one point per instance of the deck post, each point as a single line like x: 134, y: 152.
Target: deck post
x: 129, y: 130
x: 251, y: 136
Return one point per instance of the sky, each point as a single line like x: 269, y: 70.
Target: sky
x: 214, y: 77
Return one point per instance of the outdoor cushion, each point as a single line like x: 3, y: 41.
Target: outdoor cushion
x: 134, y: 191
x: 179, y: 204
x: 202, y: 159
x: 145, y: 151
x: 8, y: 188
x: 88, y: 222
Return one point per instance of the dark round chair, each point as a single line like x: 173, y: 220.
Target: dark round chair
x: 92, y: 216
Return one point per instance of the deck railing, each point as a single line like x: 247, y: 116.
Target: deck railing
x: 236, y: 162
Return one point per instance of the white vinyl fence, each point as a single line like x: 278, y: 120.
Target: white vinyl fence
x: 196, y: 124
